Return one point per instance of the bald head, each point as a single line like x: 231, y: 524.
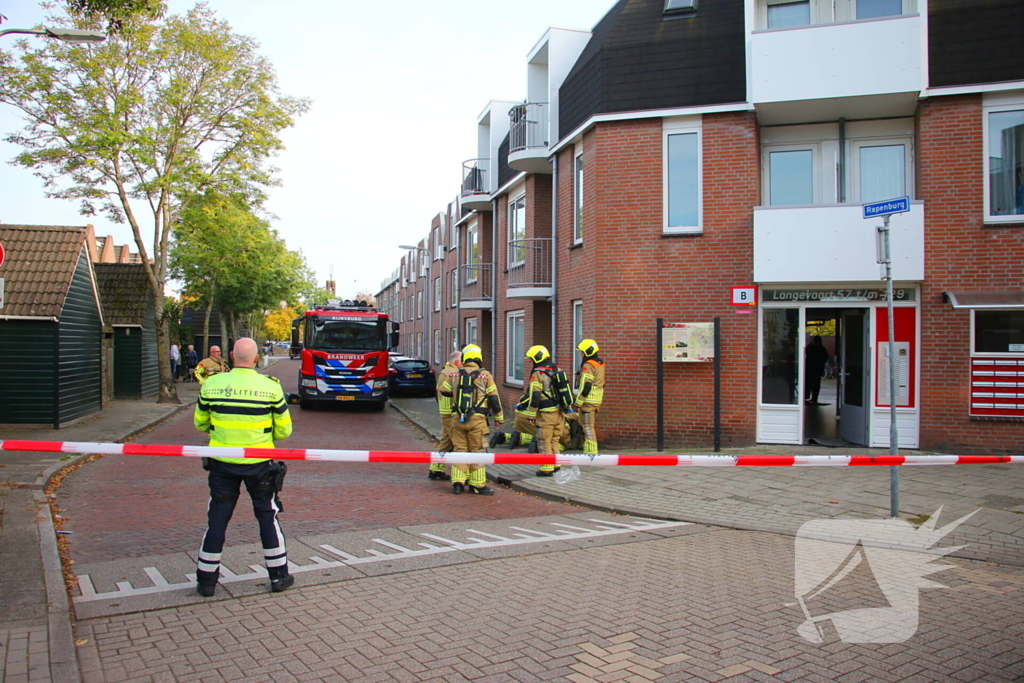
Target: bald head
x: 245, y: 353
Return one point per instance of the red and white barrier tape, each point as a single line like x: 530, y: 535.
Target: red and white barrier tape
x: 426, y: 457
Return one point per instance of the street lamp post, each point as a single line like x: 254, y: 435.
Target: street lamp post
x: 68, y: 35
x: 429, y: 304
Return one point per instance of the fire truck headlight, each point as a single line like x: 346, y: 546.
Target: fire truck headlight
x: 380, y: 383
x: 311, y: 383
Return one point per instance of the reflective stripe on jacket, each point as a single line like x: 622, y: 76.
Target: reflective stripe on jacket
x: 445, y: 403
x: 591, y: 383
x: 243, y: 408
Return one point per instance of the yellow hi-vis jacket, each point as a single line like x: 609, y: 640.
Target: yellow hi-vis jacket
x: 591, y: 382
x: 444, y: 400
x: 243, y: 408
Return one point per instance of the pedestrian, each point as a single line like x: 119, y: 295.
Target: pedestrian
x: 590, y: 381
x: 243, y: 409
x: 175, y: 359
x: 444, y: 406
x: 815, y: 358
x: 475, y: 397
x: 550, y: 399
x: 191, y: 361
x: 213, y: 365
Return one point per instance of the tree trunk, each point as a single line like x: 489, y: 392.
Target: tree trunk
x: 206, y: 326
x: 168, y: 391
x: 225, y: 341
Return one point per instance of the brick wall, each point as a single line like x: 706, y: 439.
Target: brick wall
x: 961, y: 253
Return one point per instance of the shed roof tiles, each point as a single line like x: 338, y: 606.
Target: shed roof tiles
x: 124, y: 292
x: 40, y: 263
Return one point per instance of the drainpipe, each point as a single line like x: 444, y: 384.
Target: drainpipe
x: 458, y: 282
x: 494, y: 283
x: 554, y: 256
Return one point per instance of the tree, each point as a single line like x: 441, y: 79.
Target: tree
x: 117, y: 13
x: 278, y: 323
x: 138, y: 126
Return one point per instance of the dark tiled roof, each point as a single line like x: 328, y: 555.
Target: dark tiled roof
x: 640, y: 59
x: 975, y: 41
x: 37, y: 272
x: 124, y: 291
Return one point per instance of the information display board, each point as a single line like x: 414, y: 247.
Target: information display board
x: 688, y: 342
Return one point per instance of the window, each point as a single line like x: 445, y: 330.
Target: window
x: 577, y: 333
x: 472, y: 245
x: 437, y: 345
x: 779, y: 359
x: 419, y: 345
x: 436, y: 238
x: 437, y: 293
x: 791, y: 177
x: 419, y: 304
x: 455, y: 288
x: 516, y: 231
x: 453, y: 339
x: 470, y: 331
x: 869, y: 9
x: 1004, y: 144
x: 998, y: 332
x: 401, y: 311
x: 680, y: 6
x: 514, y: 348
x: 453, y: 232
x: 882, y: 171
x: 682, y: 175
x: 578, y: 195
x: 789, y: 14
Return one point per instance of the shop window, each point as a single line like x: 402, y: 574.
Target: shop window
x: 780, y: 336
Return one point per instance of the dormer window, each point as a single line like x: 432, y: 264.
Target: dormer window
x: 680, y: 6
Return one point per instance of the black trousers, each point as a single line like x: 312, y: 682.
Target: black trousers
x: 225, y: 485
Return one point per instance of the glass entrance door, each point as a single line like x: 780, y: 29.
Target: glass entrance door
x: 853, y: 422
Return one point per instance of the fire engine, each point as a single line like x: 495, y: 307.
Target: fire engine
x: 344, y: 351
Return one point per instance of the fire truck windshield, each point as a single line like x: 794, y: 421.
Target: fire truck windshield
x: 349, y: 335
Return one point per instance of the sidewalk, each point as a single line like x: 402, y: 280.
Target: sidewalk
x: 36, y: 639
x: 780, y: 500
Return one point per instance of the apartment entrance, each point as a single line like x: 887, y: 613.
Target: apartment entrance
x: 836, y: 374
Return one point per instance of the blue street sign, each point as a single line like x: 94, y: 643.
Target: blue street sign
x: 889, y: 206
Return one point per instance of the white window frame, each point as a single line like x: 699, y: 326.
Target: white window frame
x: 437, y: 294
x: 995, y: 105
x: 453, y: 234
x: 401, y: 310
x: 824, y: 12
x: 419, y: 345
x: 438, y: 250
x: 455, y: 288
x: 472, y: 240
x: 519, y: 319
x: 682, y: 126
x: 437, y: 345
x: 522, y: 233
x: 853, y: 176
x: 453, y: 340
x: 990, y: 354
x: 578, y: 179
x: 578, y: 335
x: 816, y: 170
x: 471, y: 329
x: 419, y: 304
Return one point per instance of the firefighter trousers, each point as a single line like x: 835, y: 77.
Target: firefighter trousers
x: 588, y: 418
x: 468, y: 437
x: 225, y: 482
x: 550, y: 424
x: 445, y: 446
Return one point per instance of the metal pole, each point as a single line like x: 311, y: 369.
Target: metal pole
x: 894, y: 472
x: 718, y: 384
x: 661, y: 390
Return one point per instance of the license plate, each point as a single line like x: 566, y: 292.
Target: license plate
x: 346, y: 398
x: 414, y: 375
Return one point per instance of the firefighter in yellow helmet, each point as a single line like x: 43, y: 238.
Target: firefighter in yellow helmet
x: 590, y: 380
x: 475, y: 398
x: 523, y: 432
x: 447, y: 410
x: 549, y: 399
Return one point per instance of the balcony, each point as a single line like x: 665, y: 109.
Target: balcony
x: 475, y: 184
x: 833, y: 244
x: 475, y: 286
x: 528, y: 138
x: 877, y: 61
x: 529, y: 269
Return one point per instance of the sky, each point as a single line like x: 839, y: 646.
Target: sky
x: 396, y: 88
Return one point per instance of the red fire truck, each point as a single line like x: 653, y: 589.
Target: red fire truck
x: 344, y: 350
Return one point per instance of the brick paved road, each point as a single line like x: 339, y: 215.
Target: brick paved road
x: 708, y: 606
x: 133, y: 506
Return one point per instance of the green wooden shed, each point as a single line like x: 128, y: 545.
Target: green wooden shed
x: 128, y: 310
x: 51, y: 327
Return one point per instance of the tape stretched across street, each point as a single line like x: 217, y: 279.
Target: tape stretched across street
x: 427, y: 457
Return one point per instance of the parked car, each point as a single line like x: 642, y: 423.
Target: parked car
x: 411, y: 376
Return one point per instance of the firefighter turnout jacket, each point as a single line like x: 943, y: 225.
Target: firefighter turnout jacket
x: 542, y: 396
x: 243, y: 408
x: 591, y: 382
x: 211, y: 366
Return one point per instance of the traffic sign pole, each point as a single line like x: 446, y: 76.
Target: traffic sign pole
x: 894, y: 472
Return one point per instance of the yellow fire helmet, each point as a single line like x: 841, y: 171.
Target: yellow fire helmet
x: 538, y: 353
x: 472, y: 352
x: 588, y: 347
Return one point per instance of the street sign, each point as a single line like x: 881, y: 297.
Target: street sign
x: 744, y: 296
x: 887, y: 207
x: 1, y: 254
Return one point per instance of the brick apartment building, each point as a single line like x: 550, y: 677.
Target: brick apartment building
x: 680, y: 149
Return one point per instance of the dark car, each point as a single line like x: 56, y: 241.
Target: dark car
x: 410, y: 376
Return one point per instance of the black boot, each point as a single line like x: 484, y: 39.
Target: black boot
x: 281, y: 583
x: 481, y: 490
x: 513, y: 441
x: 435, y: 474
x: 544, y: 473
x: 206, y: 589
x: 457, y: 488
x: 496, y: 438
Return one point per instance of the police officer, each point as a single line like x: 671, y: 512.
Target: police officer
x: 475, y: 396
x: 245, y: 409
x: 444, y: 406
x: 211, y: 366
x: 590, y: 381
x: 547, y: 394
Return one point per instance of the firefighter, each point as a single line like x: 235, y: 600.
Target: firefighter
x: 211, y: 366
x: 549, y: 401
x: 243, y: 409
x: 523, y: 433
x: 590, y: 381
x: 444, y: 406
x: 475, y: 397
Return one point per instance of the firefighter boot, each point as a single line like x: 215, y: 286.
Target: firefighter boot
x: 516, y: 439
x: 478, y: 482
x: 437, y: 472
x: 497, y: 438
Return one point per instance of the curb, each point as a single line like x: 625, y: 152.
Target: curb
x: 60, y: 630
x: 416, y: 423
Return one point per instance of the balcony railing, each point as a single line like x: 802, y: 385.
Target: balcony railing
x: 475, y: 177
x: 528, y: 126
x: 475, y: 282
x: 529, y: 263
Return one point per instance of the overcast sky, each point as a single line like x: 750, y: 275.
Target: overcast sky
x: 396, y: 90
